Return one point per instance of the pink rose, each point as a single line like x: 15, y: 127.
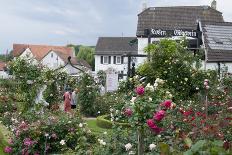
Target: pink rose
x: 8, y: 149
x: 28, y: 142
x: 54, y: 136
x: 156, y: 129
x: 159, y: 115
x: 140, y: 90
x: 167, y: 103
x: 10, y: 141
x: 128, y: 112
x: 150, y: 123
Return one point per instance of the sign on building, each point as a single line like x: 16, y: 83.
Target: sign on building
x: 111, y: 80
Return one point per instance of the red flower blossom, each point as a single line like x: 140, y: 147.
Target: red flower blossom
x: 140, y: 90
x: 158, y: 116
x: 156, y: 129
x: 187, y: 113
x: 150, y: 123
x: 153, y: 126
x: 128, y: 112
x: 167, y: 103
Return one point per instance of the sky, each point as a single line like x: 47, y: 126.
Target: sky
x: 62, y: 22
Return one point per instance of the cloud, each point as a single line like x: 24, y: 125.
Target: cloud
x: 77, y: 21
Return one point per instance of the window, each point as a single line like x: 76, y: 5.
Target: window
x: 217, y: 40
x: 51, y: 55
x: 105, y: 60
x: 118, y: 60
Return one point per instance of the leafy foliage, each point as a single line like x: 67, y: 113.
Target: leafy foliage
x: 171, y: 61
x: 87, y: 95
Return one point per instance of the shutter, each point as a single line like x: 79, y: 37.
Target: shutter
x: 101, y: 59
x: 114, y: 59
x: 122, y: 61
x: 109, y: 59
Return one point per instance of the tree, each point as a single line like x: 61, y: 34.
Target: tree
x: 87, y: 54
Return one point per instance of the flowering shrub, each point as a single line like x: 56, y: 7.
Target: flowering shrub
x: 172, y: 62
x: 49, y: 134
x: 87, y: 95
x: 30, y: 77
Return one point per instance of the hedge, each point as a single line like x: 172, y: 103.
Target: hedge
x: 107, y: 124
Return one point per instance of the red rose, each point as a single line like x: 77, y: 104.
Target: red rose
x: 167, y: 103
x: 140, y: 90
x: 150, y: 123
x: 156, y: 129
x: 128, y: 112
x: 159, y: 115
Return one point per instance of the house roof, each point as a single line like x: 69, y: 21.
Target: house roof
x: 218, y: 41
x: 39, y: 51
x: 74, y: 60
x: 116, y: 45
x: 177, y: 17
x: 2, y: 65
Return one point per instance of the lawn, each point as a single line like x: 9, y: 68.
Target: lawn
x: 92, y: 124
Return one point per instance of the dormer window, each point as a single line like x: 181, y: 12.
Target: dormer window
x: 217, y: 40
x: 51, y: 55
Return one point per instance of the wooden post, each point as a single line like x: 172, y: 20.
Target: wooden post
x: 140, y: 141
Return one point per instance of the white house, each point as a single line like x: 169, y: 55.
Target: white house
x: 51, y: 56
x: 112, y: 52
x: 3, y: 73
x: 155, y: 23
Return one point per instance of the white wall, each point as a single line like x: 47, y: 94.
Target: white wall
x: 229, y: 65
x: 3, y: 75
x: 52, y: 60
x: 142, y: 43
x: 214, y: 66
x: 104, y: 67
x: 71, y: 70
x: 26, y: 54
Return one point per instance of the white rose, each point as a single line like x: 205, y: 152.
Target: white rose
x: 152, y: 146
x: 128, y: 146
x: 80, y: 125
x: 62, y: 142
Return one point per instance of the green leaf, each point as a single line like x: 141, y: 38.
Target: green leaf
x: 198, y: 145
x: 218, y: 143
x: 189, y: 152
x: 164, y: 148
x: 188, y: 142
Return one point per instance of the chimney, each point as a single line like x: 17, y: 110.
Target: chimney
x: 214, y: 4
x: 144, y: 5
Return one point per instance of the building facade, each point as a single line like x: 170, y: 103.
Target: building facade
x: 112, y: 53
x: 157, y: 23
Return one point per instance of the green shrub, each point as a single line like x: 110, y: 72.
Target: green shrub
x: 103, y: 122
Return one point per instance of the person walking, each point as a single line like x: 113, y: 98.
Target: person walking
x: 74, y: 98
x: 67, y: 101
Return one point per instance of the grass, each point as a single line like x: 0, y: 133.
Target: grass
x: 4, y: 133
x: 92, y: 124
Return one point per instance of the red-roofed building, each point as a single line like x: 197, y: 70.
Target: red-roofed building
x: 3, y: 74
x: 51, y: 56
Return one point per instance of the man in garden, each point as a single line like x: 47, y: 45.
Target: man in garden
x: 74, y: 98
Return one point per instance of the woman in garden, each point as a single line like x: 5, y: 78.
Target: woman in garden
x: 67, y: 101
